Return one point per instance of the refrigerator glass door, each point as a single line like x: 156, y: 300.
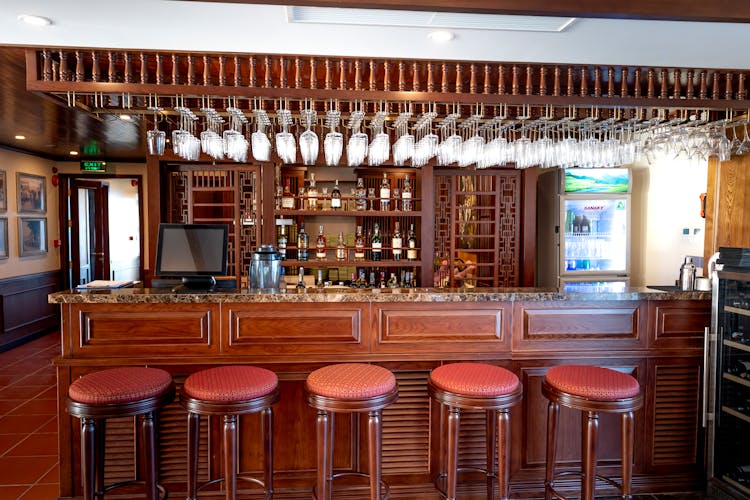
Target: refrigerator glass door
x: 595, y: 235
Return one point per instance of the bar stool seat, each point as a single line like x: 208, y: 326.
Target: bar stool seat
x: 350, y: 388
x: 475, y: 386
x: 114, y: 393
x: 230, y: 391
x: 591, y: 389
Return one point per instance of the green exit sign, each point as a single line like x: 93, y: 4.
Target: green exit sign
x: 93, y: 166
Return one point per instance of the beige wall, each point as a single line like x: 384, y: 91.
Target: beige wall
x: 666, y: 200
x: 12, y: 163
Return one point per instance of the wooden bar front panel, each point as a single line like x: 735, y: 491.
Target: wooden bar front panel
x: 678, y: 324
x: 579, y: 326
x: 125, y: 330
x: 295, y: 329
x: 441, y: 329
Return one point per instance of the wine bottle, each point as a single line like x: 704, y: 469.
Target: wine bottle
x: 281, y: 242
x: 303, y: 241
x: 385, y: 193
x: 312, y: 193
x: 396, y: 242
x: 287, y: 197
x: 341, y: 248
x: 336, y: 196
x: 359, y: 245
x: 301, y: 278
x: 360, y: 195
x: 320, y: 245
x: 376, y: 243
x: 406, y: 195
x: 411, y: 244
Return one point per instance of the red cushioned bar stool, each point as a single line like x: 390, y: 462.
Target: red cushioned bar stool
x: 350, y: 388
x: 475, y: 386
x: 113, y: 393
x: 592, y: 390
x: 230, y: 391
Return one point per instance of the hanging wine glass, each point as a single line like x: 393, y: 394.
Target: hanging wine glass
x: 333, y: 144
x: 155, y: 139
x: 403, y: 148
x: 427, y: 144
x: 308, y: 140
x: 380, y: 146
x: 356, y: 148
x: 286, y: 146
x: 261, y: 145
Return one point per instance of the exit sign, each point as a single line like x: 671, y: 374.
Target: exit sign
x: 93, y: 166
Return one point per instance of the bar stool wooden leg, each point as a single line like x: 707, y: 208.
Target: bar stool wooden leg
x: 627, y: 435
x: 324, y: 442
x: 230, y: 456
x: 88, y: 452
x: 149, y: 443
x: 503, y: 447
x: 100, y: 432
x: 267, y: 431
x: 454, y: 424
x: 375, y: 444
x: 589, y: 455
x: 553, y: 409
x: 194, y: 425
x: 491, y: 445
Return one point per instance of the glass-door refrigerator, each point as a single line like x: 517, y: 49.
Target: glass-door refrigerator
x: 728, y: 365
x: 594, y: 228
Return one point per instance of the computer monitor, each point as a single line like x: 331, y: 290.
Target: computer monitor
x: 193, y: 252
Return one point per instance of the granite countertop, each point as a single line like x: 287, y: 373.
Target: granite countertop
x: 166, y: 296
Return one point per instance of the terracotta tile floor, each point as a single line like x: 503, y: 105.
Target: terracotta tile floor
x: 28, y: 430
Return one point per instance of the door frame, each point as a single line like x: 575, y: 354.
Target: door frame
x: 63, y: 194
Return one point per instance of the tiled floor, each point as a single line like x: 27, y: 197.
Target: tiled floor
x: 28, y: 428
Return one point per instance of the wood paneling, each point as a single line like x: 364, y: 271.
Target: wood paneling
x: 678, y: 325
x: 104, y: 330
x: 441, y: 329
x: 305, y: 328
x: 727, y: 205
x: 25, y: 311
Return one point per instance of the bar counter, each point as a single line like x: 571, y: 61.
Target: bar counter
x: 655, y: 336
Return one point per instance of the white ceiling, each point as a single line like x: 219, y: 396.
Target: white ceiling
x: 199, y: 26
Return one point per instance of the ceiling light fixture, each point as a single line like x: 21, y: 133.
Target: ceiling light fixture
x: 126, y: 118
x: 441, y: 36
x: 20, y: 137
x: 74, y: 153
x: 35, y: 20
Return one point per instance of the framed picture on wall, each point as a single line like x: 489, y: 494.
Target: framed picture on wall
x: 32, y: 196
x: 3, y: 193
x: 32, y: 236
x: 3, y: 237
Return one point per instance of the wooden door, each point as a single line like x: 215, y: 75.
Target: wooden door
x: 89, y: 231
x: 727, y: 204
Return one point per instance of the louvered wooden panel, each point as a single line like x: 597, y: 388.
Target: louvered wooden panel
x: 173, y: 446
x: 120, y: 450
x: 472, y: 439
x: 677, y: 391
x: 406, y: 438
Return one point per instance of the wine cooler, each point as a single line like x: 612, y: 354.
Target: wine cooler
x: 728, y: 408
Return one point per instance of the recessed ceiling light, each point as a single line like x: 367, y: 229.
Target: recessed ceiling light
x: 441, y: 36
x: 74, y: 153
x: 35, y: 20
x: 126, y: 118
x: 20, y: 137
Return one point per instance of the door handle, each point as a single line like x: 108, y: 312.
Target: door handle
x: 98, y: 253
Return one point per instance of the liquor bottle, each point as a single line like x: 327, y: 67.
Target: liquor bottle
x: 287, y: 197
x: 279, y: 193
x: 361, y: 280
x: 385, y: 193
x: 382, y: 279
x: 341, y: 248
x: 303, y: 241
x: 392, y: 281
x: 359, y: 245
x: 336, y: 196
x: 301, y: 278
x: 411, y: 244
x: 281, y: 242
x: 397, y: 242
x: 376, y: 243
x: 320, y: 245
x: 312, y: 194
x: 371, y: 283
x: 360, y: 195
x: 406, y: 195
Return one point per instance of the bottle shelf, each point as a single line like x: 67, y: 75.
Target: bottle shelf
x: 736, y: 413
x: 351, y: 263
x: 737, y: 345
x: 737, y: 310
x: 736, y: 379
x: 349, y: 213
